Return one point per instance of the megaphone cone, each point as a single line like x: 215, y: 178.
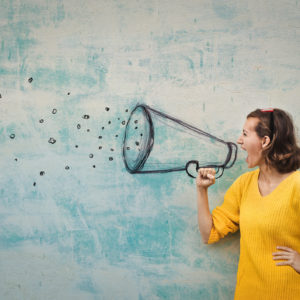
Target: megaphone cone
x: 155, y: 142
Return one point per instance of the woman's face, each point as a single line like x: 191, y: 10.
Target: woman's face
x: 252, y: 143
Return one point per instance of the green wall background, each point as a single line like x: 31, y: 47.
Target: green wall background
x: 74, y: 224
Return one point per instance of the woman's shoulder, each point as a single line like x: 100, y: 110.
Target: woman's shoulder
x: 246, y: 178
x: 296, y: 178
x: 250, y: 175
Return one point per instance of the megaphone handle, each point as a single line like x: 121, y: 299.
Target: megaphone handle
x: 195, y: 162
x: 222, y: 171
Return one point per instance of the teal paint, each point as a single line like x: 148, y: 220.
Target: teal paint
x: 102, y: 233
x: 224, y: 9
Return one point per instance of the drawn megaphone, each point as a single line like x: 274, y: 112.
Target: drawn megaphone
x: 155, y: 142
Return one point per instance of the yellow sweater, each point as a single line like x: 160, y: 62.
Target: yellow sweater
x: 264, y: 223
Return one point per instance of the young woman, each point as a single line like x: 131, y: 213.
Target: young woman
x: 264, y: 205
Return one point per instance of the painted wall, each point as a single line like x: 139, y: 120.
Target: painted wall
x: 74, y: 224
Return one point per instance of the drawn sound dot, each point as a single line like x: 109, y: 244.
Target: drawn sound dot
x: 141, y: 134
x: 41, y: 121
x: 42, y: 173
x: 126, y: 110
x: 52, y: 141
x: 76, y: 146
x: 100, y: 137
x: 86, y: 117
x: 137, y: 143
x: 118, y: 118
x: 135, y: 128
x: 88, y: 130
x: 0, y: 96
x: 94, y: 166
x: 102, y: 128
x: 112, y: 149
x: 107, y: 108
x: 91, y: 155
x: 116, y: 135
x: 30, y: 79
x: 100, y: 147
x: 128, y: 148
x: 111, y: 158
x: 123, y: 122
x: 136, y: 121
x: 54, y: 111
x: 109, y: 122
x: 34, y: 184
x: 16, y: 159
x: 67, y: 167
x: 78, y: 126
x: 69, y: 94
x: 12, y: 136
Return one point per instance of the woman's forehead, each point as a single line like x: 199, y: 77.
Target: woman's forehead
x: 250, y: 124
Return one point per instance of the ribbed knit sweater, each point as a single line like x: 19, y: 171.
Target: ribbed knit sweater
x: 264, y: 223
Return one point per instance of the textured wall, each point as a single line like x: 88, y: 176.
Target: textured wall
x: 74, y: 224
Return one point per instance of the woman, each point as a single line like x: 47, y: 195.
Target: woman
x: 265, y: 205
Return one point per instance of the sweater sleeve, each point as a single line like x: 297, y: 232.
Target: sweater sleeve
x: 227, y: 216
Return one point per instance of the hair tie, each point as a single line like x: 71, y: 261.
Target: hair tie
x: 267, y: 110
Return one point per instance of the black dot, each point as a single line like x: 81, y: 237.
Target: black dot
x: 52, y: 141
x: 136, y: 121
x: 128, y: 148
x: 94, y: 166
x: 91, y: 155
x: 41, y: 121
x: 12, y: 136
x: 107, y: 108
x: 109, y: 122
x: 0, y: 96
x: 141, y: 134
x: 69, y: 93
x: 118, y: 118
x: 88, y: 130
x: 111, y: 158
x: 16, y: 159
x: 137, y: 143
x: 126, y: 110
x: 54, y: 111
x: 123, y: 122
x: 86, y: 117
x: 67, y: 167
x: 100, y: 137
x: 34, y: 184
x: 78, y: 126
x: 102, y: 128
x: 116, y: 135
x: 135, y: 128
x: 112, y: 149
x: 76, y: 146
x: 100, y: 147
x: 42, y: 173
x: 30, y: 79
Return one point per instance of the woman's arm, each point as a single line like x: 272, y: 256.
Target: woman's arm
x: 205, y: 178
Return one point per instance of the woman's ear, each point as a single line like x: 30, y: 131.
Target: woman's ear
x: 265, y: 141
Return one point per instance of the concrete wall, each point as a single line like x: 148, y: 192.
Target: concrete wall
x: 74, y: 224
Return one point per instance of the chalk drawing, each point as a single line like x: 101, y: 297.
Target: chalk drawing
x: 146, y: 126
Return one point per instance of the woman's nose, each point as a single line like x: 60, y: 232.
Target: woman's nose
x: 239, y: 141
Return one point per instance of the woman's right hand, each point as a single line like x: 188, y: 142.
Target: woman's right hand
x: 206, y: 177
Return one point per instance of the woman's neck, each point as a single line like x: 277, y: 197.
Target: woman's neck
x: 270, y: 175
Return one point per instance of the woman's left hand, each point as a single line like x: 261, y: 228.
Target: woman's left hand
x: 290, y: 257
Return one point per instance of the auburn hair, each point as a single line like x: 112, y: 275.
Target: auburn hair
x: 282, y: 153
